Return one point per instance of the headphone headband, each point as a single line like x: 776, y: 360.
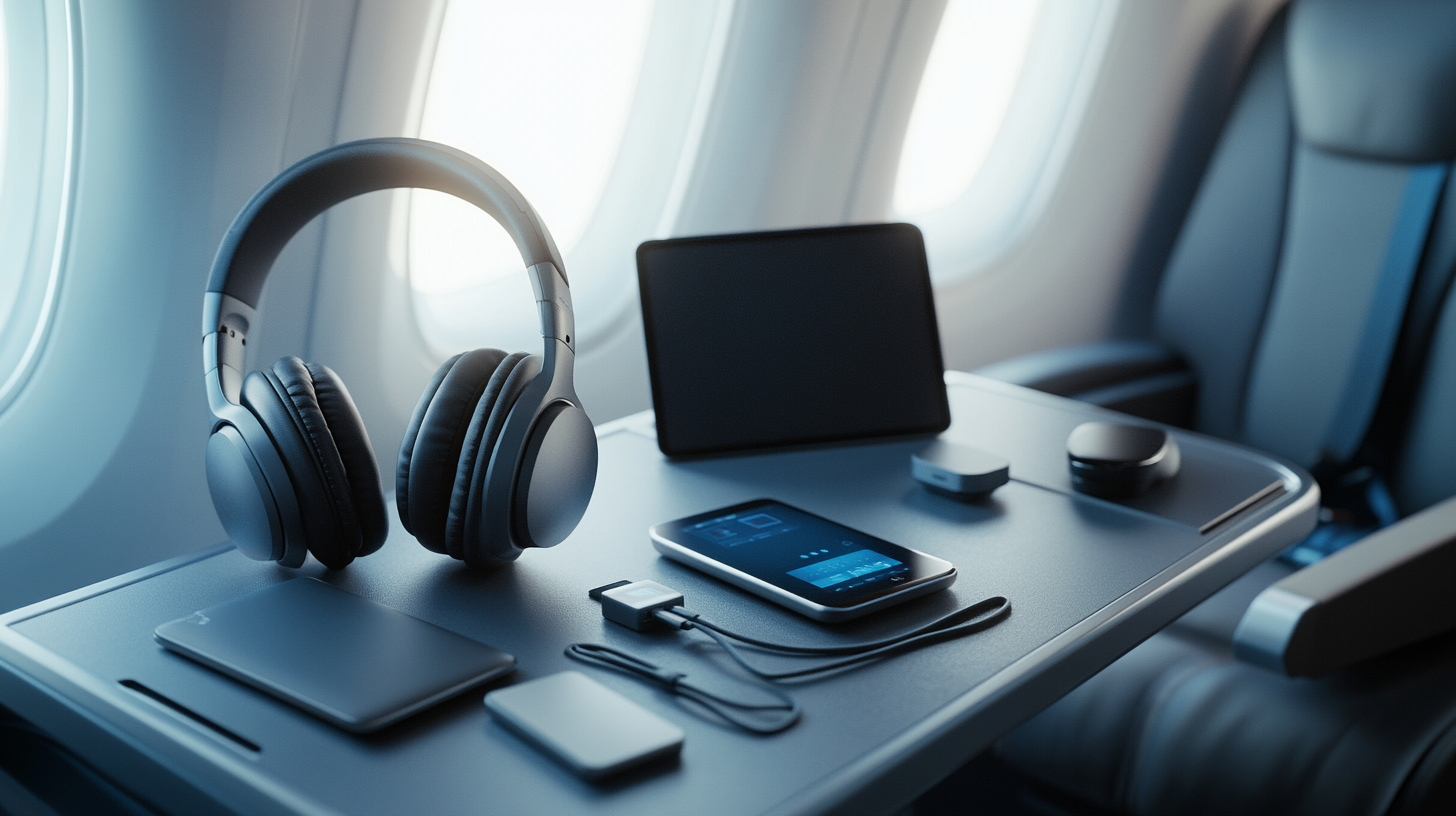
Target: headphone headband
x: 313, y: 185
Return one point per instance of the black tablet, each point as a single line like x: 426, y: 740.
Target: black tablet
x: 771, y: 339
x: 353, y: 662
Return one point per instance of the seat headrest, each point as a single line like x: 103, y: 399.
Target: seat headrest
x: 1375, y: 79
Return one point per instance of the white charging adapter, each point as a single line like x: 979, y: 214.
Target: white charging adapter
x: 634, y: 604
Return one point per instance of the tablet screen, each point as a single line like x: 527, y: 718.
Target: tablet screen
x: 770, y: 339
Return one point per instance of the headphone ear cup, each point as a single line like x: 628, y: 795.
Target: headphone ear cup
x: 245, y: 505
x: 346, y: 428
x: 429, y: 457
x: 479, y: 445
x: 557, y: 475
x: 407, y: 444
x: 267, y: 403
x: 334, y: 536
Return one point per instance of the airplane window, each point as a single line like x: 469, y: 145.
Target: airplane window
x: 36, y: 100
x: 10, y: 274
x: 955, y: 120
x: 6, y: 298
x: 998, y: 103
x: 578, y: 103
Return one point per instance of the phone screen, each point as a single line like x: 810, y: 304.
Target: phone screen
x: 809, y: 556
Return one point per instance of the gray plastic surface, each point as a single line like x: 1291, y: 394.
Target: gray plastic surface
x: 1087, y: 578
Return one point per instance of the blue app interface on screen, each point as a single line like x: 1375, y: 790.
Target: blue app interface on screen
x: 857, y: 564
x: 773, y: 541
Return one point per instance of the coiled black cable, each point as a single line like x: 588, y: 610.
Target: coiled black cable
x: 675, y: 683
x: 654, y: 602
x: 974, y: 618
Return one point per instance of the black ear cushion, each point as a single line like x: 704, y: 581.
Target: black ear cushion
x: 521, y: 376
x: 294, y: 382
x: 435, y: 454
x: 407, y: 445
x: 349, y: 435
x: 479, y: 441
x: 265, y: 399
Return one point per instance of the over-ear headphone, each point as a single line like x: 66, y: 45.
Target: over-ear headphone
x: 499, y: 455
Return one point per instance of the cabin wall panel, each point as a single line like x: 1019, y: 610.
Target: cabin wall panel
x: 187, y: 109
x: 101, y: 454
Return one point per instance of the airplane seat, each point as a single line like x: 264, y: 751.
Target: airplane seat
x: 1316, y: 256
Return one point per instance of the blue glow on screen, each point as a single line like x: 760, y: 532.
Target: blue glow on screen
x: 833, y: 571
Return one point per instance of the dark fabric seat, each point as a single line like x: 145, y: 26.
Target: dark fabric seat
x: 1178, y: 726
x: 1267, y: 333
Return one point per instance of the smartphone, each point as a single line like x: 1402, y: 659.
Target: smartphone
x: 816, y: 567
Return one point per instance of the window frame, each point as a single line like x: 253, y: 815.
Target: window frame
x: 601, y: 263
x: 37, y: 182
x: 998, y: 210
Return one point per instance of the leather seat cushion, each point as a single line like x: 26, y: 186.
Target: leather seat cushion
x: 1375, y: 79
x: 1177, y: 726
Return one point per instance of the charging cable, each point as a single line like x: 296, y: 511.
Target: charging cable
x: 640, y: 605
x: 968, y: 620
x: 760, y: 718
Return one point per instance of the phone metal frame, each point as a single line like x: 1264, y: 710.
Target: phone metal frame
x: 798, y: 603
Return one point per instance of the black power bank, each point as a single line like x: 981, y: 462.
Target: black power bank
x: 353, y: 662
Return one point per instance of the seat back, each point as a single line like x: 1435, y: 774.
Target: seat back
x: 1318, y: 251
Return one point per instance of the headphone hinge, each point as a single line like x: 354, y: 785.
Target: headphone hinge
x: 553, y: 300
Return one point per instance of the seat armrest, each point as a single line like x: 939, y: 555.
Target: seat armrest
x: 1390, y: 589
x: 1137, y: 377
x: 1071, y: 370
